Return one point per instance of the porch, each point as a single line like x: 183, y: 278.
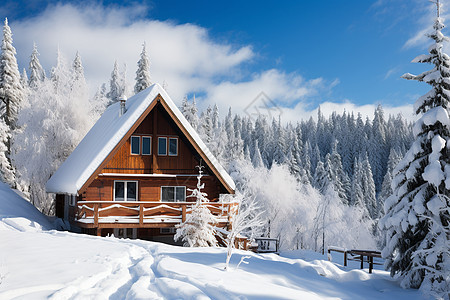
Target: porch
x: 144, y: 214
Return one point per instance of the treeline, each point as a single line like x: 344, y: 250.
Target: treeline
x: 355, y: 156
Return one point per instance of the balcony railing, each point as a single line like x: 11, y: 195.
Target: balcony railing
x: 104, y: 214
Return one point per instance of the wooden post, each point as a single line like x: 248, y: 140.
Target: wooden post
x: 370, y: 263
x: 345, y: 258
x: 245, y: 244
x: 141, y: 214
x: 99, y: 231
x: 362, y: 260
x: 96, y: 215
x: 183, y: 213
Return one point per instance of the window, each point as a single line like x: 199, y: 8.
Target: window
x: 173, y: 146
x: 168, y: 230
x: 173, y: 193
x: 135, y: 145
x: 125, y: 190
x: 146, y: 145
x: 162, y: 146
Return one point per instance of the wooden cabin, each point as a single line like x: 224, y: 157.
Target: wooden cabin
x: 131, y: 173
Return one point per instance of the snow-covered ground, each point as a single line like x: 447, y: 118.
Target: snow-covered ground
x: 38, y: 263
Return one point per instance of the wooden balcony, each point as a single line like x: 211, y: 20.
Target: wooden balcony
x: 144, y: 214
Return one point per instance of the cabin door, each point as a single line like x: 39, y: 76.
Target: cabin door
x: 125, y: 233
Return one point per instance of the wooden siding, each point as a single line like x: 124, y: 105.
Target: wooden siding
x: 149, y: 189
x: 184, y: 163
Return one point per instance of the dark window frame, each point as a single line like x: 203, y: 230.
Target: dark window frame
x: 168, y: 146
x: 161, y: 138
x: 142, y: 144
x: 174, y: 192
x: 131, y: 144
x: 125, y: 190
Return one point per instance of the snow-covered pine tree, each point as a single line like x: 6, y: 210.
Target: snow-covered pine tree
x: 321, y: 177
x: 37, y: 73
x: 279, y: 153
x: 143, y: 79
x: 386, y: 188
x: 60, y: 75
x: 257, y: 159
x: 11, y: 90
x: 7, y: 172
x: 77, y: 69
x: 24, y: 80
x: 417, y: 215
x: 337, y: 175
x: 98, y: 103
x: 194, y: 120
x: 357, y: 195
x: 185, y: 107
x: 116, y: 88
x: 377, y: 148
x: 198, y: 229
x: 368, y: 187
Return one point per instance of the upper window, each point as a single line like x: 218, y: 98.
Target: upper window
x: 173, y: 193
x: 146, y: 145
x: 173, y: 146
x: 125, y: 190
x: 135, y: 145
x: 162, y: 146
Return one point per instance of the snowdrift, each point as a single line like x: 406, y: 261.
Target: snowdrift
x: 36, y: 263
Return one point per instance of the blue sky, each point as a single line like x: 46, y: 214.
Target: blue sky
x: 339, y: 54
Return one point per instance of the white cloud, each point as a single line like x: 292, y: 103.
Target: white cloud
x: 184, y: 56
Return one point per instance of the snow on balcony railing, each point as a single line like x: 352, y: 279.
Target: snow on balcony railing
x: 146, y: 212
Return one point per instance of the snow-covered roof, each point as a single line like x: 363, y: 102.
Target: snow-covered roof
x: 109, y: 130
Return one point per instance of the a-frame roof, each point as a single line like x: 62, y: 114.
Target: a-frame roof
x: 104, y: 137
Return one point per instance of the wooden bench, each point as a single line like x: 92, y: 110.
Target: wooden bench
x: 356, y: 254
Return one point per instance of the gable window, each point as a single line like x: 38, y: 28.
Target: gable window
x: 135, y: 145
x: 146, y: 145
x: 173, y: 193
x: 162, y: 146
x: 125, y: 190
x: 173, y: 146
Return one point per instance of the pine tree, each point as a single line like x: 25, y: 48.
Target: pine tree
x: 257, y: 159
x: 143, y: 79
x: 357, y: 195
x: 368, y: 187
x: 77, y: 69
x: 198, y: 230
x: 11, y: 90
x: 37, y: 73
x: 60, y: 75
x: 417, y: 214
x: 98, y: 103
x: 337, y: 175
x: 24, y: 81
x: 279, y: 155
x: 321, y: 177
x: 116, y: 87
x: 7, y: 174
